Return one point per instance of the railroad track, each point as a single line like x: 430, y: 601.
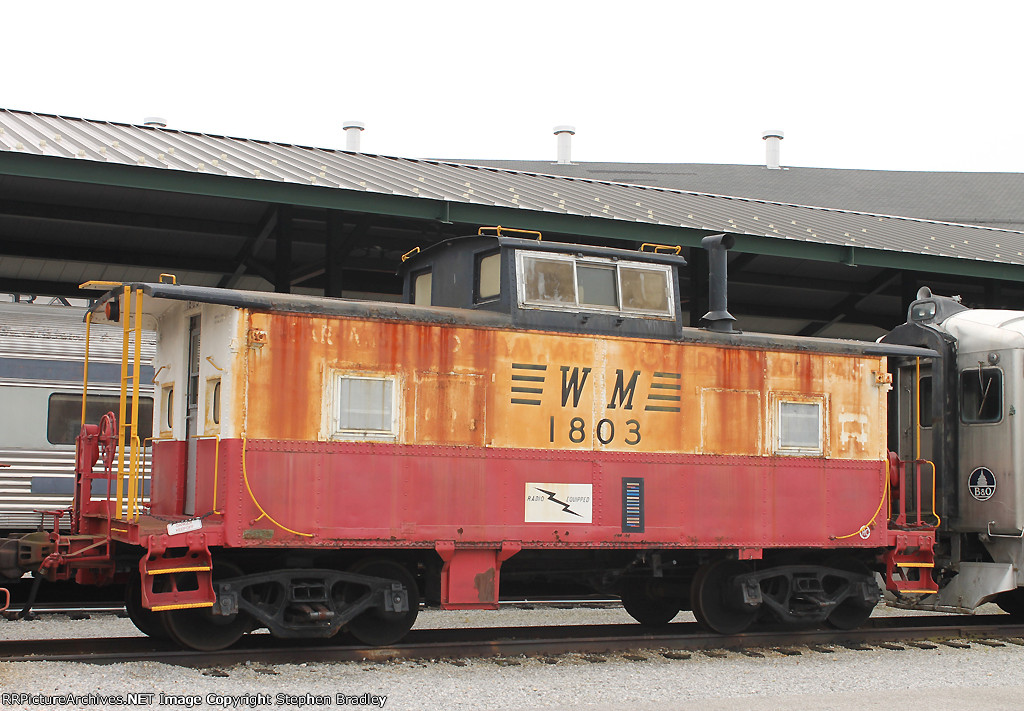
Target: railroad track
x: 682, y: 637
x: 74, y: 609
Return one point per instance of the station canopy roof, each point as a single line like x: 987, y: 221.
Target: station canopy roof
x: 161, y: 149
x: 38, y: 149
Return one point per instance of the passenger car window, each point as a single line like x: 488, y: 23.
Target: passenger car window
x: 981, y: 395
x: 64, y: 415
x: 925, y: 389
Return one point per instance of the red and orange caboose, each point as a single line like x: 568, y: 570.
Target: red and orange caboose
x: 536, y: 410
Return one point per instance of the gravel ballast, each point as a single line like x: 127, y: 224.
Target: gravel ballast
x: 943, y: 678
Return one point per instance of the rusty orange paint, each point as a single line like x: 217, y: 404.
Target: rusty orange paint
x: 482, y: 387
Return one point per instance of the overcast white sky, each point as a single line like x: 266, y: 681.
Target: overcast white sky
x: 897, y: 85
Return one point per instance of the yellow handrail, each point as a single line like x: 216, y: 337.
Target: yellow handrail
x: 661, y: 248
x: 85, y: 368
x: 917, y: 408
x: 216, y: 466
x: 133, y: 470
x: 938, y: 519
x: 498, y: 230
x: 123, y: 406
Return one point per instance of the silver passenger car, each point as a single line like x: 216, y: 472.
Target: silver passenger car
x: 967, y: 406
x: 42, y: 352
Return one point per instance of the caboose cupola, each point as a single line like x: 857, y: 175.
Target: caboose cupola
x: 550, y: 285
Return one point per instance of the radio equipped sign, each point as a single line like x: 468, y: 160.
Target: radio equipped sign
x: 559, y: 503
x: 982, y: 483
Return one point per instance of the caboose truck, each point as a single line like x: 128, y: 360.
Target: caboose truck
x: 537, y: 411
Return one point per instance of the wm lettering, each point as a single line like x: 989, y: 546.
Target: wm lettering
x: 572, y: 384
x: 623, y: 391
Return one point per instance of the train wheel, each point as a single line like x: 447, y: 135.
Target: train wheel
x: 148, y: 622
x: 1012, y: 602
x: 849, y: 614
x: 717, y: 601
x: 641, y: 600
x: 377, y: 627
x: 200, y: 629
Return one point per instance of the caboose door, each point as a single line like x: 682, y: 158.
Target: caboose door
x: 191, y: 413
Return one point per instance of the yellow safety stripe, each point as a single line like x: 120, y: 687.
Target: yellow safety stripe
x: 196, y: 569
x: 186, y: 606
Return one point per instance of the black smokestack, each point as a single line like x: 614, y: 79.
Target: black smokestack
x: 718, y: 318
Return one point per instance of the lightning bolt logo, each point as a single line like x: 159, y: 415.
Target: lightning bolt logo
x: 551, y: 497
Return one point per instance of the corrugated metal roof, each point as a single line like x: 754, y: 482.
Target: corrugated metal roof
x: 149, y: 148
x: 986, y: 199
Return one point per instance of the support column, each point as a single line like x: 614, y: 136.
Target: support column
x: 266, y: 227
x: 283, y: 251
x: 339, y: 245
x: 335, y: 252
x: 993, y: 295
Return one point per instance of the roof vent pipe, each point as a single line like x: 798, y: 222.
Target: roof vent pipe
x: 154, y: 122
x: 718, y: 318
x: 773, y: 139
x: 565, y: 134
x: 353, y: 130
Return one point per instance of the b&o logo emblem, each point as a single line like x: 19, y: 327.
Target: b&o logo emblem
x: 982, y: 483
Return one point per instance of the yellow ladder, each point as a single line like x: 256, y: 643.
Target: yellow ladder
x: 130, y: 367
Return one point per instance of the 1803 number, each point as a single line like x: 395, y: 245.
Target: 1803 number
x: 604, y: 431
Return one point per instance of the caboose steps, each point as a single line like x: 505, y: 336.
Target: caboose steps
x: 909, y: 560
x: 177, y: 578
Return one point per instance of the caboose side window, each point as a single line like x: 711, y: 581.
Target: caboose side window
x: 365, y: 406
x: 549, y: 280
x: 167, y: 408
x: 981, y: 395
x: 644, y: 289
x: 488, y: 276
x: 597, y: 285
x: 422, y: 288
x: 799, y: 427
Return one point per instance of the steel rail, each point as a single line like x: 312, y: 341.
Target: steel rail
x: 483, y: 642
x: 61, y: 608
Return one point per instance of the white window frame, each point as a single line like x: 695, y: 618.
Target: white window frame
x: 338, y: 433
x: 786, y: 399
x: 522, y: 255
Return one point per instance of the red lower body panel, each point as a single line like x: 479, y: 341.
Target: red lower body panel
x: 288, y: 493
